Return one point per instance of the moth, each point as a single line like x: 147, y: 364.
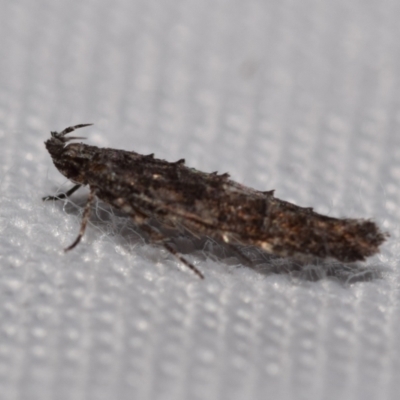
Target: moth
x: 205, y: 204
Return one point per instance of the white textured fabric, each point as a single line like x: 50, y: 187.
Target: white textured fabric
x: 297, y: 96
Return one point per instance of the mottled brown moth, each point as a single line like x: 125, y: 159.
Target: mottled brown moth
x: 206, y: 204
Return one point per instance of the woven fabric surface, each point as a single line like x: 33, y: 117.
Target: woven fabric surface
x: 297, y: 96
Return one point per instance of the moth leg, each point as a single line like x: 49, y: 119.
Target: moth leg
x: 156, y: 236
x: 63, y: 195
x: 85, y: 219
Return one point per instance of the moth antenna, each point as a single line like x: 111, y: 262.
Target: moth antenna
x: 74, y: 138
x: 72, y: 128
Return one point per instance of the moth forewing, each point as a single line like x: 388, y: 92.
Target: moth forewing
x: 206, y: 204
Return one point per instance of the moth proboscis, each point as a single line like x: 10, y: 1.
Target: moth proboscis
x: 207, y: 204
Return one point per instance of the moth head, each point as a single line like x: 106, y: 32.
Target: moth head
x: 67, y: 159
x: 56, y: 143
